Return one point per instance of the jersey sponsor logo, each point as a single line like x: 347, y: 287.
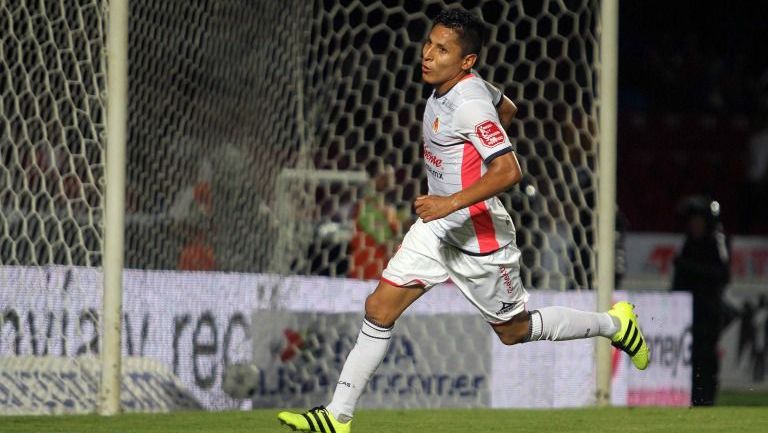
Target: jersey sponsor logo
x: 432, y: 158
x: 436, y: 125
x: 435, y: 173
x: 489, y: 133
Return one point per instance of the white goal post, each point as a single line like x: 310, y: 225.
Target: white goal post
x: 606, y: 212
x: 114, y: 196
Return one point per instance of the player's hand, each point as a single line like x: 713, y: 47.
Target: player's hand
x: 432, y: 207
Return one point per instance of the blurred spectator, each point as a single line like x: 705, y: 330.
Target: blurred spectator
x: 197, y: 255
x: 192, y: 213
x: 378, y: 229
x: 703, y: 268
x: 746, y: 330
x: 759, y: 324
x: 245, y: 229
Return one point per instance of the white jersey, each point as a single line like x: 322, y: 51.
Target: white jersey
x: 462, y: 135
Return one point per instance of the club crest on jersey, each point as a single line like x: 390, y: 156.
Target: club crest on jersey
x: 436, y: 125
x: 489, y: 133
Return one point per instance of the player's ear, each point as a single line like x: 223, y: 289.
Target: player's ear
x: 468, y: 62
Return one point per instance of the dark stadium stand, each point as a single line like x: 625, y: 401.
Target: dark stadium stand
x: 663, y: 158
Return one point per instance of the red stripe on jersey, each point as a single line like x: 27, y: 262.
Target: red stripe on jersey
x: 471, y: 165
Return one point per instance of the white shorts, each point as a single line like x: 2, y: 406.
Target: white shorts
x: 490, y: 282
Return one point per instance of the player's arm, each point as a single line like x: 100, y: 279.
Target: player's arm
x: 507, y: 111
x: 503, y: 172
x: 505, y: 108
x: 479, y: 121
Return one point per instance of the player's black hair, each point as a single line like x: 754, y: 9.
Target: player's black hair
x: 467, y: 25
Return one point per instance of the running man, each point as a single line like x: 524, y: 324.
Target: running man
x: 463, y: 232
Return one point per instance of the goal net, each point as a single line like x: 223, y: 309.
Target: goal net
x: 264, y: 137
x: 363, y: 81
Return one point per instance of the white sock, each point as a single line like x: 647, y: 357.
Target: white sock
x: 561, y: 323
x: 363, y: 360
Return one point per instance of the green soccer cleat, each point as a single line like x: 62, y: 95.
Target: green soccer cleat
x: 317, y: 419
x: 630, y: 338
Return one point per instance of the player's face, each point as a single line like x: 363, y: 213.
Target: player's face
x: 443, y: 63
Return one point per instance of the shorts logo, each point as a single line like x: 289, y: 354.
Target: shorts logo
x: 507, y: 279
x: 489, y: 133
x: 506, y: 306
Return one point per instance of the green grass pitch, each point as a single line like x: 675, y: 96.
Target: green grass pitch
x: 722, y: 419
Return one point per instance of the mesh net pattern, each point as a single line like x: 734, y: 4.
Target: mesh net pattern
x: 253, y: 100
x: 266, y: 136
x: 364, y: 76
x: 52, y: 80
x: 279, y: 137
x: 212, y: 122
x: 225, y: 96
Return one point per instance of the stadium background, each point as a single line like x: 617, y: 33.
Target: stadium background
x: 692, y: 94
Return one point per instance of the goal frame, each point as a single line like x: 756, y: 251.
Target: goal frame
x: 114, y: 224
x: 115, y: 160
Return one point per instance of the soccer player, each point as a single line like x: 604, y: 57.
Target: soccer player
x: 463, y: 232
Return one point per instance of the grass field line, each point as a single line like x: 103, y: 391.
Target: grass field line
x: 620, y: 420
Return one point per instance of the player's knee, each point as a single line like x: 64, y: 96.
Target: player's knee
x: 515, y: 331
x: 510, y: 338
x: 378, y: 312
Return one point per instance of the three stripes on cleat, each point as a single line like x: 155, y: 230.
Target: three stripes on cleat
x: 318, y: 421
x: 630, y: 343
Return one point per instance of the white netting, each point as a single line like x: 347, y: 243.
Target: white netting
x: 52, y: 81
x: 367, y: 100
x: 212, y: 122
x: 252, y: 98
x: 225, y: 96
x: 271, y: 136
x: 51, y: 126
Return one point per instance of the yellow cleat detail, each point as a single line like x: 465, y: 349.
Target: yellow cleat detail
x: 630, y: 338
x: 317, y: 419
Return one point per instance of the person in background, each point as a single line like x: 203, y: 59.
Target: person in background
x: 746, y: 330
x: 377, y: 231
x: 760, y: 325
x: 703, y: 268
x: 192, y: 215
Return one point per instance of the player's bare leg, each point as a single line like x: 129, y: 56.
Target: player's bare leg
x: 385, y: 305
x: 513, y: 331
x: 382, y: 308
